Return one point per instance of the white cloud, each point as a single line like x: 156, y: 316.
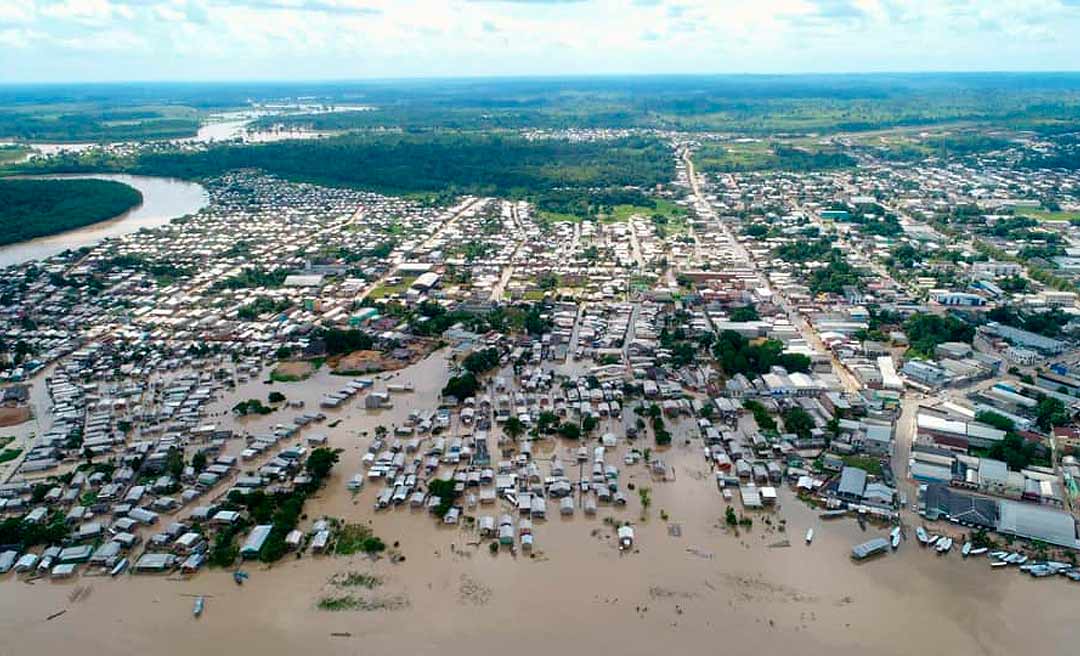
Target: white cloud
x: 385, y: 38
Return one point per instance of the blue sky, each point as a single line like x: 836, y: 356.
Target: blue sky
x: 118, y: 40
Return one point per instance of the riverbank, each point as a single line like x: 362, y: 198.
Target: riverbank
x: 31, y: 208
x: 161, y: 200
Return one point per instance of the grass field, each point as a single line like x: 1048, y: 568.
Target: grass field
x: 734, y: 156
x: 1042, y: 215
x: 556, y: 217
x: 402, y: 286
x: 10, y: 154
x: 664, y: 208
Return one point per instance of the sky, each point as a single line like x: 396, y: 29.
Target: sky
x: 151, y: 40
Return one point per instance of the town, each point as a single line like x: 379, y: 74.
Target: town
x: 892, y: 343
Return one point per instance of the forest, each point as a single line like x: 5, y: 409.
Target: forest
x: 403, y: 164
x: 35, y: 208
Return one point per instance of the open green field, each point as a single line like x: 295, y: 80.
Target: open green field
x: 742, y: 156
x: 664, y: 208
x: 400, y: 287
x: 1043, y: 215
x: 10, y: 154
x: 559, y: 217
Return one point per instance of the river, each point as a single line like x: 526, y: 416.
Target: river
x: 164, y: 199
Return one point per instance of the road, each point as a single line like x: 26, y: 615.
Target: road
x: 392, y: 269
x: 499, y: 288
x: 807, y: 331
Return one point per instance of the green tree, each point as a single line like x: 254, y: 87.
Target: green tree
x: 798, y: 421
x: 514, y: 428
x: 320, y: 462
x: 570, y: 431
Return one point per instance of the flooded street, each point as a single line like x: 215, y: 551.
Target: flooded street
x: 690, y: 584
x: 164, y: 199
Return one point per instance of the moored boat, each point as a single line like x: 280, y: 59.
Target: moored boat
x: 200, y: 602
x: 978, y: 551
x: 920, y: 533
x: 966, y: 550
x: 119, y: 567
x: 894, y: 537
x: 869, y: 548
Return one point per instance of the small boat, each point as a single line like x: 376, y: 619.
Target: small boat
x: 833, y: 514
x: 966, y: 550
x: 200, y: 603
x: 240, y: 576
x: 977, y: 551
x: 920, y: 533
x: 809, y: 535
x: 894, y: 537
x: 943, y: 545
x: 999, y: 563
x: 119, y: 567
x: 932, y: 540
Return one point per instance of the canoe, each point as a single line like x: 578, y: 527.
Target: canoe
x: 119, y: 567
x: 200, y: 603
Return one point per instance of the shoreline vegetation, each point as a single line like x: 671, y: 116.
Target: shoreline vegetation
x: 39, y: 208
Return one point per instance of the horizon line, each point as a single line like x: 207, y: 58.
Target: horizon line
x: 528, y: 76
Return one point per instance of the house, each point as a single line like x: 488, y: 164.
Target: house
x: 255, y: 541
x: 852, y: 484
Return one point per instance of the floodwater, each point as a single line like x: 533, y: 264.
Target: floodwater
x: 701, y: 589
x: 164, y: 199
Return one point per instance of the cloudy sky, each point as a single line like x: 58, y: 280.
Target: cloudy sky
x: 113, y: 40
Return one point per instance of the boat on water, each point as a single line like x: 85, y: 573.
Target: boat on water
x: 833, y: 514
x: 978, y: 551
x: 240, y: 576
x: 869, y: 548
x: 894, y: 537
x: 119, y: 567
x: 932, y: 540
x: 999, y: 563
x: 809, y: 535
x: 965, y: 551
x: 920, y: 533
x: 200, y: 603
x: 944, y: 544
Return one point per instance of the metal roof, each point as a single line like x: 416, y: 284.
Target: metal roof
x: 1038, y: 523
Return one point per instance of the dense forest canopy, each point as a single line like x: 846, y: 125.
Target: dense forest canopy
x: 35, y: 208
x: 461, y: 163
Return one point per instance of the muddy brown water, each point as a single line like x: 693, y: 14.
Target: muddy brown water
x: 706, y: 591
